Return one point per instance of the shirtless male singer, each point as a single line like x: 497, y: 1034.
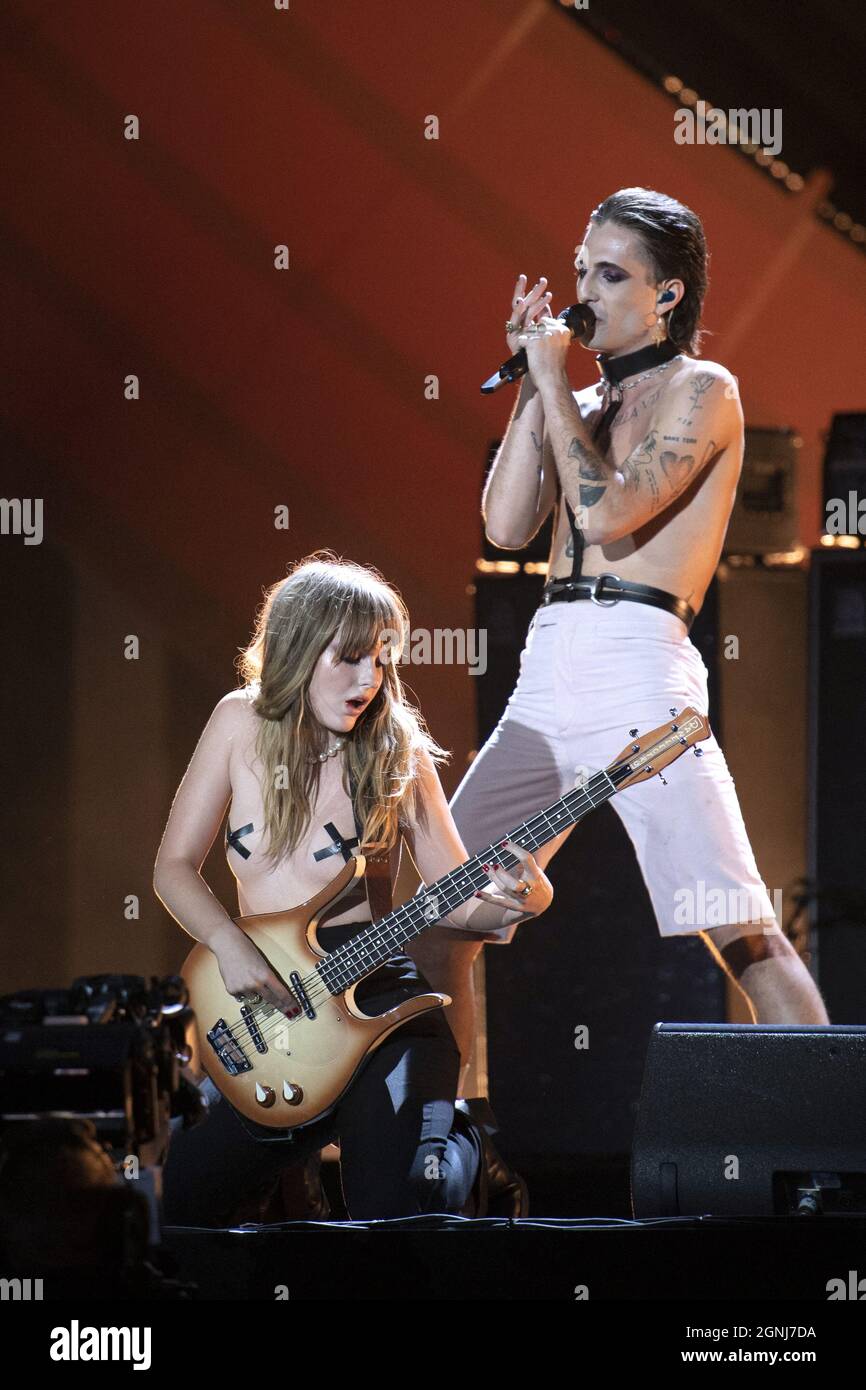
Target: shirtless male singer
x: 641, y: 470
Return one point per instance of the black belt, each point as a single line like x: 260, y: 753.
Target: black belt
x: 608, y: 589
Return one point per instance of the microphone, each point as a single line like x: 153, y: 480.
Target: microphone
x: 579, y: 318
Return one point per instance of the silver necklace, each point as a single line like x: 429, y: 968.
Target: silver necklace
x: 620, y: 386
x: 323, y: 757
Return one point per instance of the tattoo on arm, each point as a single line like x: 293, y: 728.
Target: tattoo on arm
x: 676, y: 468
x: 698, y: 387
x: 592, y: 468
x: 641, y: 457
x: 535, y: 441
x: 709, y: 451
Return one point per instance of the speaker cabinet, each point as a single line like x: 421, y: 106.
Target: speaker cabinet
x: 837, y: 777
x: 754, y: 1120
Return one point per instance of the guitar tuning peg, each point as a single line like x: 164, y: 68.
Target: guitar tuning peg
x: 633, y: 733
x: 698, y: 752
x: 664, y: 779
x: 673, y: 711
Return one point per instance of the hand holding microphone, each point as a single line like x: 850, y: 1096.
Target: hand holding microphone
x: 528, y: 315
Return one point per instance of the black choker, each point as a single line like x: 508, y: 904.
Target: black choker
x: 616, y: 369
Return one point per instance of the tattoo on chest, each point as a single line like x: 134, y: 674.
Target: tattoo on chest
x: 622, y: 416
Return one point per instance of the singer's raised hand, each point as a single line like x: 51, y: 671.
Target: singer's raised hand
x: 527, y: 308
x: 546, y: 351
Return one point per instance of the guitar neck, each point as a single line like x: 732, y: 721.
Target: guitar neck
x: 371, y: 948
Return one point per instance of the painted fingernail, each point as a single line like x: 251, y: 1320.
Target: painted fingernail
x: 485, y: 867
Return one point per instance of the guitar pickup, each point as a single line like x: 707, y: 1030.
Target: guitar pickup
x: 228, y: 1049
x: 253, y: 1028
x: 301, y: 994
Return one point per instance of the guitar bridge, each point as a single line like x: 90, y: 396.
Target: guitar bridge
x: 228, y: 1049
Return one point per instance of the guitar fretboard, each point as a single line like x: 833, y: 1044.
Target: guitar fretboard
x: 383, y: 939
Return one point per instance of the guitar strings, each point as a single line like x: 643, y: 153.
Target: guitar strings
x: 315, y: 985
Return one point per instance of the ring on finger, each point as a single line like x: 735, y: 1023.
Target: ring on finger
x: 522, y: 889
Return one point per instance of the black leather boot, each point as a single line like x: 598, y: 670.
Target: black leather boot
x: 500, y: 1190
x: 476, y: 1203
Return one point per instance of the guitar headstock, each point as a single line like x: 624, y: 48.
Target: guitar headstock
x: 647, y: 754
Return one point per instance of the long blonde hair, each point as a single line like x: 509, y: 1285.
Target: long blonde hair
x: 324, y: 595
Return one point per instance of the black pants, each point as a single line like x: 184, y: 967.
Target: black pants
x: 398, y: 1153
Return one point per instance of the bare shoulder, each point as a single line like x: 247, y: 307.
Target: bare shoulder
x: 701, y: 374
x: 234, y: 714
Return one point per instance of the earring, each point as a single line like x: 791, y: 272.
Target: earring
x: 660, y: 332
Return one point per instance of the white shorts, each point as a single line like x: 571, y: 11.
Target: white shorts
x: 587, y: 676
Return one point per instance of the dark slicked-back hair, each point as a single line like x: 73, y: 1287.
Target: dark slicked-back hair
x: 675, y: 248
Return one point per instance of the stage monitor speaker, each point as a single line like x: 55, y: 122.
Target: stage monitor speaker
x: 845, y: 474
x: 765, y: 517
x: 748, y: 1120
x: 837, y: 777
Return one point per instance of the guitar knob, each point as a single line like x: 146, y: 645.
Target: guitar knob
x: 265, y: 1095
x: 292, y: 1095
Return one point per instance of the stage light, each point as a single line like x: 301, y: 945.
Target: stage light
x: 840, y: 542
x: 497, y: 566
